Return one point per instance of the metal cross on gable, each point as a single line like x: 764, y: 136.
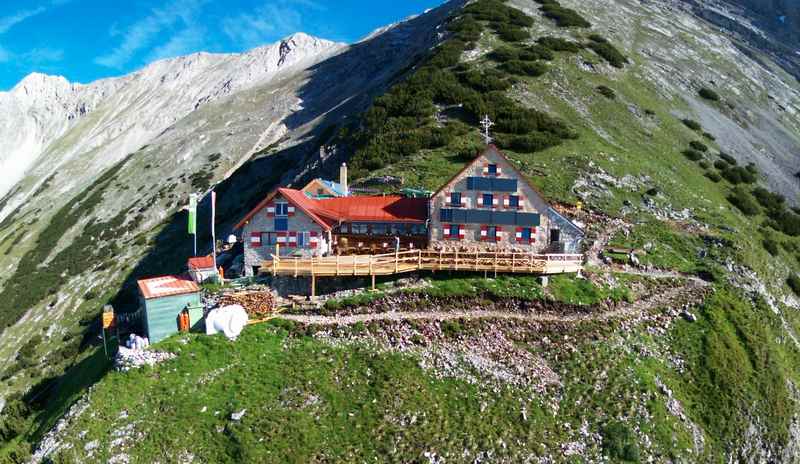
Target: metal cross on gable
x: 486, y: 123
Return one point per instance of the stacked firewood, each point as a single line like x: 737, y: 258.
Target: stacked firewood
x: 256, y: 304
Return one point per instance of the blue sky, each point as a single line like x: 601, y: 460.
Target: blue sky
x: 85, y: 40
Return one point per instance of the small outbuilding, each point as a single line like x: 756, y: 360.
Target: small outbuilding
x: 163, y: 299
x: 202, y: 269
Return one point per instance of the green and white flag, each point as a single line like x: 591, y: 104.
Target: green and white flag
x: 193, y: 214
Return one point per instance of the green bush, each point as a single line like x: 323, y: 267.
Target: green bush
x: 699, y: 146
x: 558, y: 44
x: 728, y: 158
x: 704, y: 164
x: 606, y: 92
x: 713, y: 176
x: 738, y: 175
x: 692, y: 155
x: 524, y: 68
x: 452, y: 329
x: 564, y: 17
x: 536, y: 52
x: 466, y: 28
x: 742, y: 200
x: 770, y: 201
x: 503, y: 54
x: 609, y: 53
x: 720, y: 164
x: 785, y: 221
x: 619, y: 442
x: 709, y: 136
x: 771, y: 246
x: 793, y: 281
x: 511, y: 33
x: 692, y: 124
x: 708, y: 94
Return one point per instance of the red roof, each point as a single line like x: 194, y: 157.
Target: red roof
x: 329, y: 211
x: 201, y: 262
x: 374, y: 209
x: 158, y: 287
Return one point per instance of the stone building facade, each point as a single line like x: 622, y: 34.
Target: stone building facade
x: 279, y: 225
x: 490, y: 205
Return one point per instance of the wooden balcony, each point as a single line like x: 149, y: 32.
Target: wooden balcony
x: 424, y: 260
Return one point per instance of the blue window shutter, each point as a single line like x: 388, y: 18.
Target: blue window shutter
x: 281, y: 224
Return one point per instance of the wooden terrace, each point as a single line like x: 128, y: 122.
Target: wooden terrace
x: 498, y: 262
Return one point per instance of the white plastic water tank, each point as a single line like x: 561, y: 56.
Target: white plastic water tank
x: 229, y: 320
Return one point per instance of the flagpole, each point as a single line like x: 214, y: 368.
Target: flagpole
x: 213, y: 232
x: 192, y: 224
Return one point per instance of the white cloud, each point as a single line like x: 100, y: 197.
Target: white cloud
x: 184, y: 42
x: 8, y: 22
x: 268, y: 22
x: 44, y: 55
x: 144, y: 32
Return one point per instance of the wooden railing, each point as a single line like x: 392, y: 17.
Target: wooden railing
x: 431, y: 260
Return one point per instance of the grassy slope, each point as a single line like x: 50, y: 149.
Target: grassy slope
x: 736, y: 364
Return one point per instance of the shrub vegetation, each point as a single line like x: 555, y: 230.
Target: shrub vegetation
x: 608, y: 52
x: 793, y: 281
x: 692, y: 124
x: 699, y: 146
x: 741, y: 199
x: 606, y: 92
x: 708, y: 94
x: 558, y: 44
x: 564, y: 17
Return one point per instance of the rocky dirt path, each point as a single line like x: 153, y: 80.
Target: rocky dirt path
x: 671, y: 297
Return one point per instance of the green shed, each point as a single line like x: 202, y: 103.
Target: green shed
x: 163, y: 299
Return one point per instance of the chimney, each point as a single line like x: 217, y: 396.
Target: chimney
x: 343, y: 179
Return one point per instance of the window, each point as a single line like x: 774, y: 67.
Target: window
x: 493, y: 169
x: 513, y: 201
x: 281, y: 224
x: 526, y: 234
x: 555, y: 235
x: 301, y: 239
x: 488, y: 200
x: 379, y: 229
x: 418, y: 229
x: 491, y: 233
x: 358, y: 229
x: 269, y: 238
x: 281, y: 209
x: 454, y: 231
x: 455, y: 198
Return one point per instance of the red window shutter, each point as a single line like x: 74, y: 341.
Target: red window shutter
x: 271, y: 210
x: 484, y: 233
x: 313, y: 233
x: 446, y: 230
x: 290, y: 210
x: 519, y: 234
x: 255, y: 239
x: 462, y: 232
x: 485, y: 168
x: 498, y: 234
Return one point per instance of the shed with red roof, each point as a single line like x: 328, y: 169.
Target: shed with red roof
x: 163, y: 299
